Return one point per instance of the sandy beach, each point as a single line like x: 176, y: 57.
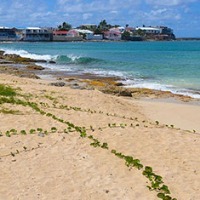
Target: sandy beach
x: 60, y: 159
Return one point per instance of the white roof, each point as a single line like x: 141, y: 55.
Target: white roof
x: 88, y: 25
x: 3, y: 27
x: 148, y: 28
x: 33, y: 28
x: 84, y: 31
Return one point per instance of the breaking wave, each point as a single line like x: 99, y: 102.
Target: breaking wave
x: 26, y: 54
x: 73, y: 59
x: 84, y: 64
x: 60, y: 59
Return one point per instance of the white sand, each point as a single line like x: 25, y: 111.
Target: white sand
x: 65, y: 166
x: 182, y: 115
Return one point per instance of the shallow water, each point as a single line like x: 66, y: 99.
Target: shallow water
x: 170, y: 66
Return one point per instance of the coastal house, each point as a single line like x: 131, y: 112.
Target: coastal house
x: 130, y: 34
x: 8, y: 34
x: 89, y: 35
x: 37, y: 34
x: 157, y: 33
x: 67, y: 36
x: 130, y: 29
x: 113, y: 34
x: 167, y: 32
x: 149, y: 30
x: 119, y: 28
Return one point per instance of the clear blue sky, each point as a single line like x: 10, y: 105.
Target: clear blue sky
x: 181, y: 15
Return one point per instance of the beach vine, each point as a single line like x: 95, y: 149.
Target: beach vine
x: 156, y: 182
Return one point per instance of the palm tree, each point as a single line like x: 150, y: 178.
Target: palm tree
x: 103, y: 25
x: 65, y: 26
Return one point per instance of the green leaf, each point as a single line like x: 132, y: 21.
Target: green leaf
x: 113, y: 151
x: 32, y: 131
x: 8, y: 133
x: 104, y: 146
x: 155, y: 185
x: 23, y: 132
x: 158, y: 179
x: 168, y: 198
x: 161, y: 195
x: 83, y: 134
x: 139, y: 166
x: 148, y: 169
x: 53, y: 129
x: 90, y: 137
x: 165, y: 189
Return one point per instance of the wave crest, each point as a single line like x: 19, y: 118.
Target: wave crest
x: 26, y: 54
x: 61, y: 59
x: 73, y: 59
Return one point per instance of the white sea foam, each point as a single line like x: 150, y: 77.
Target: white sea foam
x: 55, y: 67
x: 26, y: 54
x: 157, y: 86
x: 104, y: 72
x: 73, y: 57
x: 129, y: 82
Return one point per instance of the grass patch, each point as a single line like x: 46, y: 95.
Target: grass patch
x: 7, y: 111
x: 7, y: 91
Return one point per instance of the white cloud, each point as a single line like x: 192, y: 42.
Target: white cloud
x: 22, y: 13
x: 169, y: 2
x: 114, y: 12
x: 87, y: 16
x: 95, y: 5
x: 158, y: 12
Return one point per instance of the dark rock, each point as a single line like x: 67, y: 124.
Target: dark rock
x: 2, y: 61
x: 58, y: 84
x: 71, y: 79
x: 125, y: 93
x: 2, y: 52
x: 119, y: 84
x: 16, y: 58
x: 52, y: 62
x: 35, y: 67
x: 29, y: 76
x: 19, y: 59
x: 41, y: 61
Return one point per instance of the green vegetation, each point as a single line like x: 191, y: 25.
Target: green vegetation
x: 53, y: 129
x: 7, y: 91
x: 65, y: 26
x: 8, y: 111
x: 126, y: 35
x: 155, y: 182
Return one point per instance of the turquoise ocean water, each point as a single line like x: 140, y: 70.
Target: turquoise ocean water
x: 168, y: 66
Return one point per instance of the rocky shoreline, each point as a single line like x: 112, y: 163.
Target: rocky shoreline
x: 30, y: 68
x: 62, y: 138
